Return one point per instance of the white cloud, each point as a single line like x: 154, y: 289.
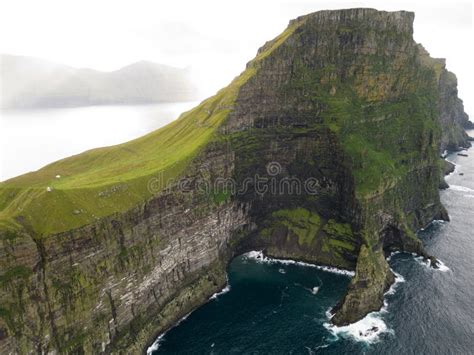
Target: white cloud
x: 216, y: 38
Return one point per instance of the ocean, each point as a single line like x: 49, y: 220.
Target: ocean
x: 273, y: 307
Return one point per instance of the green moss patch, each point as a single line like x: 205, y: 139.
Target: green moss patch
x: 303, y: 223
x: 19, y: 272
x: 103, y: 181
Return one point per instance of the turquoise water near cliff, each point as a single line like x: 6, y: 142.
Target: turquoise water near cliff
x: 274, y: 308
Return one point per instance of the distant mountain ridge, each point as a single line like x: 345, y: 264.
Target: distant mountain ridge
x: 29, y: 82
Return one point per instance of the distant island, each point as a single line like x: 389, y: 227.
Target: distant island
x: 29, y: 82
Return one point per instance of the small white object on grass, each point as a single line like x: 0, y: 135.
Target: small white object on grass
x: 58, y: 176
x: 49, y: 189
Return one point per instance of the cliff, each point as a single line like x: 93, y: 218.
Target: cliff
x: 29, y: 82
x: 325, y: 149
x: 452, y: 117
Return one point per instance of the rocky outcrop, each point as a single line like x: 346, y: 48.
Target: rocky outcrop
x: 329, y: 154
x: 453, y: 119
x: 452, y: 116
x: 110, y: 285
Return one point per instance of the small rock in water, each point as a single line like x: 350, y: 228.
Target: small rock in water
x: 282, y: 271
x: 369, y: 331
x: 315, y: 290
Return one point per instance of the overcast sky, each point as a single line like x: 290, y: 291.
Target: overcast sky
x: 215, y: 38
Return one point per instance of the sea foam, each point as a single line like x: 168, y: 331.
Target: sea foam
x: 221, y: 292
x: 454, y: 172
x: 398, y: 280
x: 460, y: 188
x: 421, y: 260
x: 259, y: 257
x: 392, y: 254
x: 155, y: 346
x: 441, y: 266
x: 369, y: 328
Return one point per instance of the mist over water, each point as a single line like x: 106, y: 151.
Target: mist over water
x: 271, y: 308
x: 32, y: 138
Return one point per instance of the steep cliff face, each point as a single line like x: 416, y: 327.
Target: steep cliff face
x: 452, y: 117
x: 110, y: 285
x: 325, y: 149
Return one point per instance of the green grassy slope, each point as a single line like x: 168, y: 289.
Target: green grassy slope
x: 107, y: 180
x: 104, y: 181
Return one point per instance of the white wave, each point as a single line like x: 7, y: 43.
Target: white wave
x: 367, y: 330
x: 260, y: 257
x: 456, y: 168
x: 392, y: 254
x: 441, y: 266
x: 460, y: 188
x: 159, y: 339
x: 221, y: 292
x: 254, y: 254
x: 155, y: 346
x: 315, y: 350
x: 329, y: 314
x: 421, y: 260
x: 398, y: 280
x: 321, y: 347
x: 282, y: 271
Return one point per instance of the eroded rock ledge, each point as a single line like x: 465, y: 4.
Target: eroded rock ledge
x: 345, y: 100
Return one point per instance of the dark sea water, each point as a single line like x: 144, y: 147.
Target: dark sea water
x: 273, y: 308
